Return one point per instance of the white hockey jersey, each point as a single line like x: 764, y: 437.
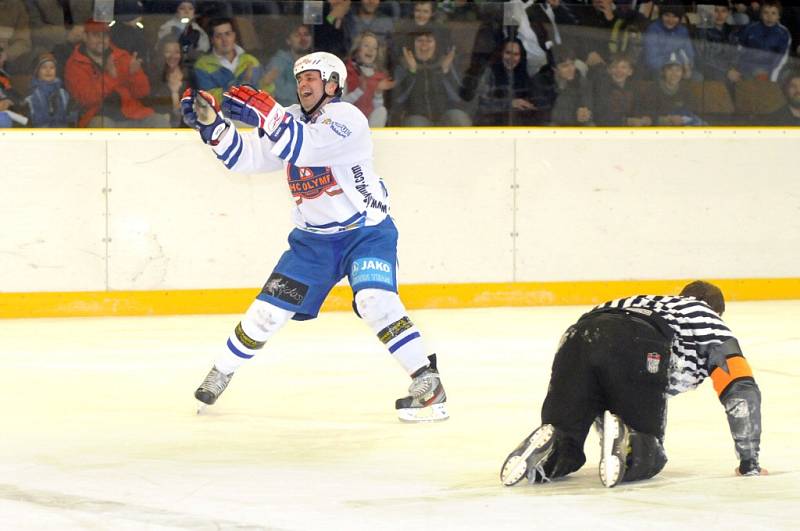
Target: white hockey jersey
x: 328, y: 165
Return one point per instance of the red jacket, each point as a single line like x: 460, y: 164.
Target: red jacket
x: 90, y: 85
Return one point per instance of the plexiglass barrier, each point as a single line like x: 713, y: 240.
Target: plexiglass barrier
x: 447, y: 63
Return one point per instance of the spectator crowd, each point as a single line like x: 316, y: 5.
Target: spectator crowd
x: 78, y: 63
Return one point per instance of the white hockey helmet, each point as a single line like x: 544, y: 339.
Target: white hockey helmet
x: 326, y: 64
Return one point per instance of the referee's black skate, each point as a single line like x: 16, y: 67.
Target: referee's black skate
x: 426, y: 400
x: 214, y: 383
x: 528, y: 458
x: 614, y: 448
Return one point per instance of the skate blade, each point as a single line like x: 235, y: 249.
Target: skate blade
x: 433, y: 413
x: 610, y: 465
x: 516, y: 466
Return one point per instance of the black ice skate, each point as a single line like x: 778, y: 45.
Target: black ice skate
x: 426, y: 401
x: 527, y: 458
x: 213, y: 385
x: 614, y: 447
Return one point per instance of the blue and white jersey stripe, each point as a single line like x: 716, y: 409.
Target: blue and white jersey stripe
x: 328, y: 164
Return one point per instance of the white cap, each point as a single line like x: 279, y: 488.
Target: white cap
x: 325, y: 63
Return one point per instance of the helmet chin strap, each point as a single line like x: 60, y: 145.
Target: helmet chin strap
x: 334, y: 77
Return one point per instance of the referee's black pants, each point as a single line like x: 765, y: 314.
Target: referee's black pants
x: 608, y: 361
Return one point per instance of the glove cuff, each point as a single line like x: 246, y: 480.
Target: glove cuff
x: 276, y: 122
x: 214, y: 132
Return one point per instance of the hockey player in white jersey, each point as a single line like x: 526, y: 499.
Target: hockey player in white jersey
x: 341, y: 214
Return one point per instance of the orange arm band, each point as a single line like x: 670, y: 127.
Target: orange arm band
x: 737, y: 368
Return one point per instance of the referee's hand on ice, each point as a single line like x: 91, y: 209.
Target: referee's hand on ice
x: 750, y: 467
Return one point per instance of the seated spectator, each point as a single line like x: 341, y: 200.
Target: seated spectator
x: 505, y: 91
x: 560, y: 22
x: 108, y: 83
x: 227, y: 64
x: 365, y: 17
x: 666, y: 37
x: 279, y: 79
x: 789, y: 114
x: 49, y: 104
x: 716, y: 44
x: 330, y: 36
x: 8, y: 96
x: 744, y: 13
x: 423, y: 19
x: 15, y: 35
x: 670, y: 102
x: 192, y: 39
x: 368, y: 79
x: 561, y: 94
x: 426, y: 86
x: 614, y: 95
x: 169, y: 78
x: 763, y: 46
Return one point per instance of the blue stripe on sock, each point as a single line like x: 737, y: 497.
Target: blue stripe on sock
x: 403, y: 341
x: 237, y: 351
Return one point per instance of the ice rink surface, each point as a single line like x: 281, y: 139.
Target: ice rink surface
x: 99, y: 430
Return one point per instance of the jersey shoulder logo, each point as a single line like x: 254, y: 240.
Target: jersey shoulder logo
x: 311, y: 182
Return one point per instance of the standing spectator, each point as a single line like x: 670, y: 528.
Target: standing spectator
x: 763, y: 46
x: 716, y: 44
x: 607, y: 30
x: 192, y: 39
x: 561, y: 94
x: 670, y: 102
x: 279, y: 78
x: 127, y: 32
x: 505, y: 92
x: 614, y: 95
x: 426, y: 91
x: 49, y: 103
x: 368, y: 79
x: 330, y: 35
x: 666, y: 37
x: 48, y: 27
x: 423, y: 19
x: 365, y: 17
x: 227, y: 64
x: 15, y: 35
x: 789, y: 114
x: 617, y: 366
x: 169, y: 78
x: 108, y: 83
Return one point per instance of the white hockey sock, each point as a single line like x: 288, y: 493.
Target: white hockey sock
x: 259, y: 323
x: 385, y: 314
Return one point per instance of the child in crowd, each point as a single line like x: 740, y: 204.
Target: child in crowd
x: 367, y: 78
x: 49, y: 103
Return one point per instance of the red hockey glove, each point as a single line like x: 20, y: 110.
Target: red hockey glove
x: 256, y: 108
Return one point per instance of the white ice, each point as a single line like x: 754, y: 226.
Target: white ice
x: 98, y: 430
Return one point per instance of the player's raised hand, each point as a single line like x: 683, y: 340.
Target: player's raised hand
x: 247, y: 105
x: 201, y: 112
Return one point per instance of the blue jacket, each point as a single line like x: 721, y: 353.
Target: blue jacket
x: 660, y: 43
x: 49, y: 105
x: 763, y: 48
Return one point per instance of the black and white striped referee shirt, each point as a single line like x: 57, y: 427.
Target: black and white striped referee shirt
x: 696, y: 328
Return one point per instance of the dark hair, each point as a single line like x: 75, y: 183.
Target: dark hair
x: 706, y: 292
x: 773, y: 3
x: 219, y: 21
